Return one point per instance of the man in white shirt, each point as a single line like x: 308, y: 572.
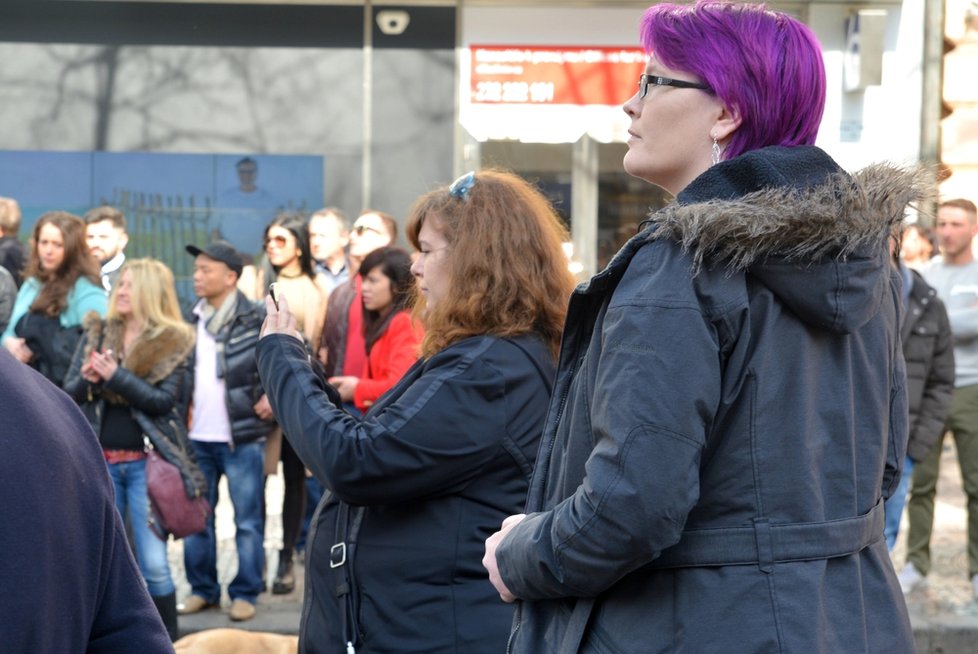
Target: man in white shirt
x: 231, y: 418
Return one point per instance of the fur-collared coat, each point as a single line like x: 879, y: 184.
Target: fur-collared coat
x: 728, y: 415
x: 152, y: 379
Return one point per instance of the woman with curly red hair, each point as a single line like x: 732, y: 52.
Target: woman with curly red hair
x: 437, y: 462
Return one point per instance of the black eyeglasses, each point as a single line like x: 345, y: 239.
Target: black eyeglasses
x: 644, y: 81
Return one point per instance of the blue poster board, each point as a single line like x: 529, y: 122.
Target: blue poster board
x: 169, y: 200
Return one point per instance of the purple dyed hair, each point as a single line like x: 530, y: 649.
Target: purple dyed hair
x: 762, y: 64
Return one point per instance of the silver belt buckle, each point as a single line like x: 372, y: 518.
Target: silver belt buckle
x: 337, y: 551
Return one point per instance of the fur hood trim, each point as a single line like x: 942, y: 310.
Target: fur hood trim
x: 831, y: 220
x: 152, y: 356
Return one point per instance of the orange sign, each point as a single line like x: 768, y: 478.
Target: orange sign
x: 507, y: 74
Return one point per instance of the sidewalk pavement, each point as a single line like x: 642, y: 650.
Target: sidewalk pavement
x: 943, y: 613
x: 275, y: 613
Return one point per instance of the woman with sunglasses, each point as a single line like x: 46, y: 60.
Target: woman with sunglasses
x: 288, y: 263
x: 729, y: 411
x: 392, y: 336
x: 129, y: 375
x: 425, y: 476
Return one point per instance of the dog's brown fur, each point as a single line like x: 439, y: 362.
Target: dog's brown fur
x: 236, y: 641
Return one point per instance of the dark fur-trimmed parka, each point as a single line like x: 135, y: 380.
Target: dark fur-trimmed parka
x: 152, y: 379
x: 728, y: 415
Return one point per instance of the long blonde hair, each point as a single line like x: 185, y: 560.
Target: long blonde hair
x: 153, y: 296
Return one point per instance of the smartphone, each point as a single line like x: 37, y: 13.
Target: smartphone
x: 273, y: 291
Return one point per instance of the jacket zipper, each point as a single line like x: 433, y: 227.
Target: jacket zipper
x: 310, y: 548
x: 516, y: 628
x: 565, y: 391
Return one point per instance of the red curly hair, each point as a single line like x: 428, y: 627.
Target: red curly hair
x: 508, y: 271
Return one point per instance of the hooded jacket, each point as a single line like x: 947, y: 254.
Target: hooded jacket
x: 152, y: 381
x: 729, y: 411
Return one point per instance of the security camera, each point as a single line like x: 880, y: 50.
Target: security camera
x: 393, y: 21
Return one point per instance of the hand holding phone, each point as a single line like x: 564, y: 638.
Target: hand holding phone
x: 273, y: 291
x: 279, y: 320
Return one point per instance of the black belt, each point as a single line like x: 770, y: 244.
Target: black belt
x: 764, y: 544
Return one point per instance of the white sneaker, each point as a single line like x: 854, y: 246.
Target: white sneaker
x: 910, y: 578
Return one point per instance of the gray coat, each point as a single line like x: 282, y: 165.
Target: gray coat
x: 729, y: 412
x: 8, y: 295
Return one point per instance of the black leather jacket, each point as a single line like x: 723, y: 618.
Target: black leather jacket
x: 236, y: 364
x: 152, y: 383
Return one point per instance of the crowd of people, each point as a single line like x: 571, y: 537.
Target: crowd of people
x: 707, y: 445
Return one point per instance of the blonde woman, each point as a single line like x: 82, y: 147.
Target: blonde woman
x: 129, y: 375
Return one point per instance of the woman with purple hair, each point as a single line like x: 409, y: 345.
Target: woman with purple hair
x: 729, y: 411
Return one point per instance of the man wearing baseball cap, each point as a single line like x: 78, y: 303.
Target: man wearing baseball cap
x: 231, y: 418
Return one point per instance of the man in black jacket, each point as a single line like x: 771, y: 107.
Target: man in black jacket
x: 928, y: 349
x: 68, y: 582
x: 230, y: 419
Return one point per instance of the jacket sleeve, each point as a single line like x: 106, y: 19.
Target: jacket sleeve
x: 76, y: 386
x: 656, y: 390
x: 964, y: 323
x: 152, y: 399
x: 8, y: 293
x: 403, y: 340
x: 25, y: 297
x: 437, y: 436
x: 938, y: 389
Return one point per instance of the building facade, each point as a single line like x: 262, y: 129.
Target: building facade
x: 388, y: 100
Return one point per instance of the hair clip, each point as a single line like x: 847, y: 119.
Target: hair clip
x: 460, y: 187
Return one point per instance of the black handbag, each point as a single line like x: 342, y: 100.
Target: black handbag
x: 172, y: 511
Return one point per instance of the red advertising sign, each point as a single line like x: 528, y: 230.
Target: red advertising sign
x: 507, y: 74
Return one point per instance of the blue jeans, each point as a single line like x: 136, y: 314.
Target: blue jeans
x: 893, y: 507
x: 129, y: 480
x: 244, y: 467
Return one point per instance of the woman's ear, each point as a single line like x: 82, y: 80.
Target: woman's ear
x: 726, y: 124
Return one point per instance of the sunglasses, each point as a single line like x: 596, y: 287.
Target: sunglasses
x: 460, y: 187
x: 360, y: 229
x: 278, y: 241
x: 645, y: 81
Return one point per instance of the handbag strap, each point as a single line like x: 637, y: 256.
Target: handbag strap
x: 341, y: 559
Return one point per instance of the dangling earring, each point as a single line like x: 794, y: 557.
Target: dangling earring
x: 716, y: 150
